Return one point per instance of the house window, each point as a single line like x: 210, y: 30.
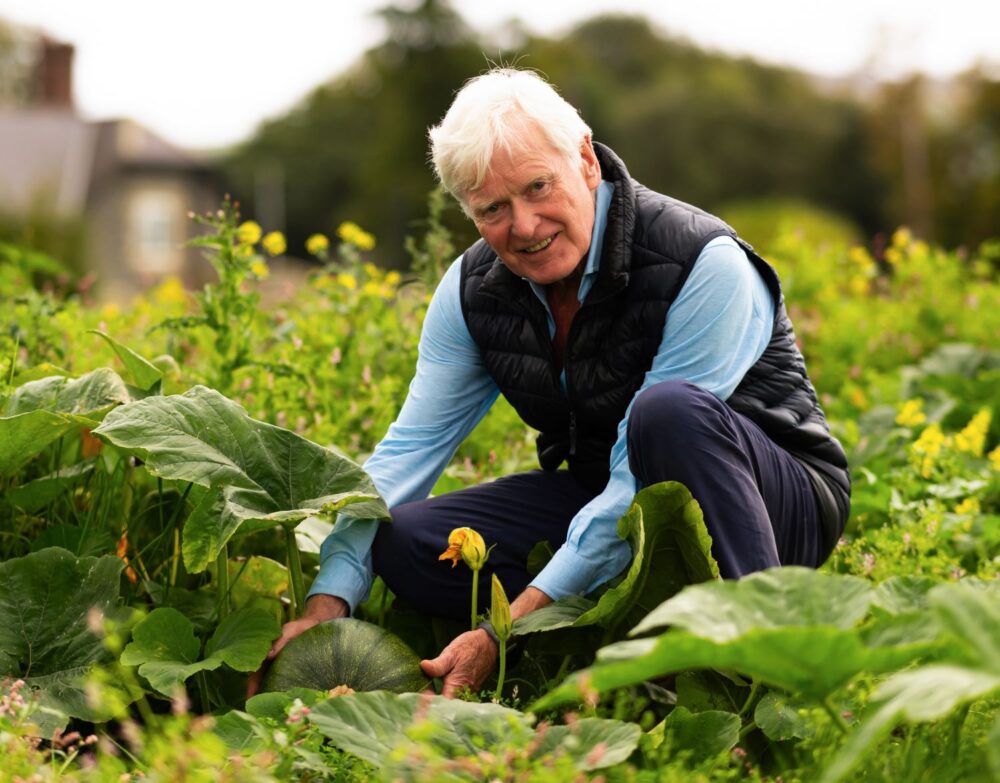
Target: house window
x: 154, y: 236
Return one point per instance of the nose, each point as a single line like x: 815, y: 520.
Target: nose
x: 524, y: 221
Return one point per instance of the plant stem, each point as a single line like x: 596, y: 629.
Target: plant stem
x: 754, y: 686
x: 838, y: 719
x: 503, y: 670
x: 295, y: 573
x: 206, y: 707
x: 475, y: 599
x: 222, y: 581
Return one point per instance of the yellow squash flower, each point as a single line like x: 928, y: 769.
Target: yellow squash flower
x: 274, y: 243
x: 317, y: 244
x: 249, y: 232
x: 500, y: 612
x: 466, y: 544
x: 347, y: 280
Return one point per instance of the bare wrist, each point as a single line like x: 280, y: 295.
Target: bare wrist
x: 326, y: 607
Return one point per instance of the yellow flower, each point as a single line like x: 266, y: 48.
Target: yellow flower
x: 972, y: 439
x: 259, y: 268
x: 994, y: 458
x: 353, y: 234
x: 170, y: 291
x: 371, y: 270
x: 500, y: 611
x: 392, y: 278
x: 274, y: 243
x: 968, y: 506
x: 347, y: 281
x: 911, y: 414
x: 466, y: 544
x: 248, y: 233
x: 859, y: 256
x: 317, y: 244
x: 858, y: 285
x: 371, y: 289
x: 110, y: 311
x: 902, y: 237
x: 928, y: 447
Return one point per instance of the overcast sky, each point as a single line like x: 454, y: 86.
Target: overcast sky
x: 204, y: 73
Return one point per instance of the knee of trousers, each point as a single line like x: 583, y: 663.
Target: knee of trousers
x: 674, y: 417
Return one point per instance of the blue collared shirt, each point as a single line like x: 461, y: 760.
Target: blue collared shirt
x: 718, y: 327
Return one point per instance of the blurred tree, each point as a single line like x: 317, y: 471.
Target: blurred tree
x: 355, y: 149
x: 18, y: 61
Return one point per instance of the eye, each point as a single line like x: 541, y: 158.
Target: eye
x: 539, y: 186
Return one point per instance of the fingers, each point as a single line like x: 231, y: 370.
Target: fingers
x: 253, y: 683
x: 438, y: 667
x: 288, y: 632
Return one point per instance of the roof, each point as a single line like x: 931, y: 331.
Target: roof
x: 51, y: 158
x: 46, y: 158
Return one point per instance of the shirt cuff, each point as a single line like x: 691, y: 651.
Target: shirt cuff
x: 344, y: 578
x: 570, y: 573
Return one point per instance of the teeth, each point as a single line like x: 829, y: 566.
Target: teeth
x: 540, y: 246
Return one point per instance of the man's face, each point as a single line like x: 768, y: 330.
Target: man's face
x: 536, y: 209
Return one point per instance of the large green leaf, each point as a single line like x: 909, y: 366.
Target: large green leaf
x: 166, y: 650
x: 971, y: 618
x: 46, y: 600
x: 35, y: 494
x: 775, y: 598
x: 559, y: 614
x: 671, y: 548
x: 372, y: 725
x: 592, y: 743
x: 924, y: 694
x: 140, y: 373
x: 779, y: 718
x: 812, y: 660
x: 703, y: 734
x: 259, y: 475
x: 40, y: 412
x: 792, y: 628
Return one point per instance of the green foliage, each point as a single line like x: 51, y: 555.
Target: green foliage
x: 258, y: 475
x: 49, y: 601
x: 167, y: 653
x: 877, y: 666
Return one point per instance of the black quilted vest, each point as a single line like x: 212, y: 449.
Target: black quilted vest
x: 651, y: 243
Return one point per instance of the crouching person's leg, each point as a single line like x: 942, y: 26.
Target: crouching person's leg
x: 758, y: 501
x: 514, y: 513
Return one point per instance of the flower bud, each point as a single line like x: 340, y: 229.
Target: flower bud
x: 500, y: 612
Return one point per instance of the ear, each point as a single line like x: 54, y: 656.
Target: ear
x: 589, y: 164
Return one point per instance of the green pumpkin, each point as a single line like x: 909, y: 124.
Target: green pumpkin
x: 347, y: 652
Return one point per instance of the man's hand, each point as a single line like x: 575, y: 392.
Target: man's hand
x: 319, y: 609
x: 471, y: 657
x: 465, y: 663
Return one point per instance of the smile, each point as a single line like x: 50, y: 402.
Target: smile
x: 540, y: 246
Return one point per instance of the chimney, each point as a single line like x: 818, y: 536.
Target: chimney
x: 54, y: 81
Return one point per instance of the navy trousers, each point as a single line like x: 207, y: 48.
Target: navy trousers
x: 757, y: 500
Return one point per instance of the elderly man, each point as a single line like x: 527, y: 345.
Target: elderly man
x: 641, y: 337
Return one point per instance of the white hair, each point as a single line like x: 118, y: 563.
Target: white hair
x: 497, y: 111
